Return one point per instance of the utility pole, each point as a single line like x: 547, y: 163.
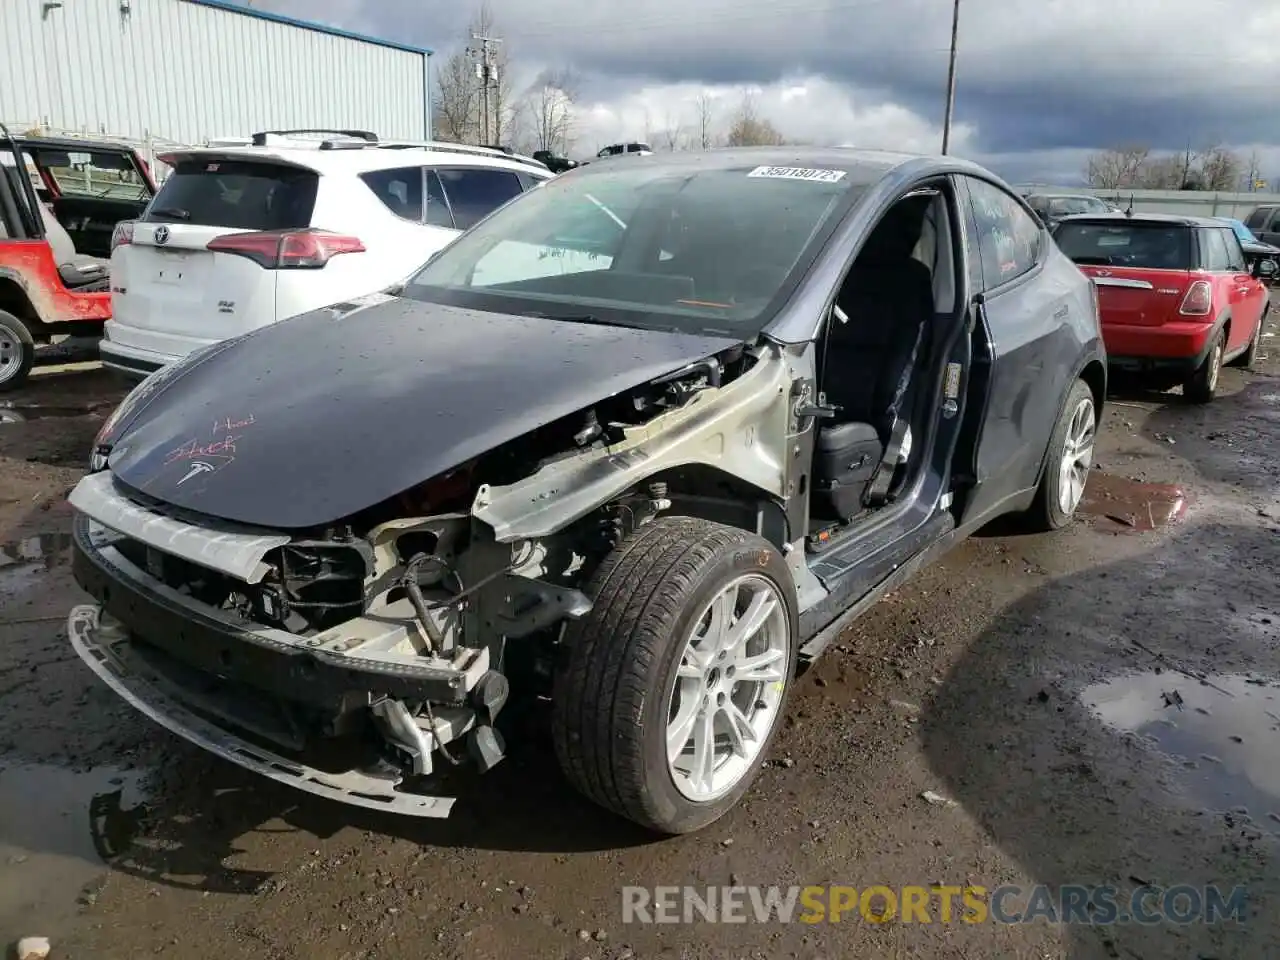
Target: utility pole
x: 486, y: 73
x: 951, y: 77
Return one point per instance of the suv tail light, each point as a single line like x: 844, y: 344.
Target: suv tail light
x: 1097, y: 300
x: 287, y: 249
x: 1199, y: 300
x: 122, y: 235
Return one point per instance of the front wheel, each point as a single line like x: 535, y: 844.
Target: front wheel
x: 672, y: 687
x: 1067, y: 461
x: 17, y: 351
x: 1202, y: 386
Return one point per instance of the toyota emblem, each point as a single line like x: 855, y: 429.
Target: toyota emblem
x: 162, y: 235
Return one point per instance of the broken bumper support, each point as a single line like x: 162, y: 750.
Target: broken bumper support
x: 92, y: 636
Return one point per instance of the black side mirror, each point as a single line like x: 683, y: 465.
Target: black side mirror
x: 1266, y: 269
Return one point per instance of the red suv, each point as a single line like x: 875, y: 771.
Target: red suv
x: 1175, y: 296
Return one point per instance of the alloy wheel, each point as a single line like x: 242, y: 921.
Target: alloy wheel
x: 728, y: 689
x: 1077, y: 456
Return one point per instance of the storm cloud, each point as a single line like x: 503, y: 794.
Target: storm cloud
x: 1041, y: 83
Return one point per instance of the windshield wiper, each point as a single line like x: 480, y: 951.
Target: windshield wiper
x: 587, y: 318
x: 171, y: 212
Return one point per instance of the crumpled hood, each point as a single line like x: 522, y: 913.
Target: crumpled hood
x: 308, y: 421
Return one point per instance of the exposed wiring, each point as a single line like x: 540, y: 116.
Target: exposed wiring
x: 435, y: 735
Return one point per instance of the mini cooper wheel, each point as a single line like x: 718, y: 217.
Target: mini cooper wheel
x: 673, y: 686
x: 1202, y: 386
x: 1250, y: 355
x: 1068, y: 461
x: 17, y: 351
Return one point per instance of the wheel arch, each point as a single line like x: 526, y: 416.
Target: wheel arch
x: 1093, y: 372
x: 15, y: 298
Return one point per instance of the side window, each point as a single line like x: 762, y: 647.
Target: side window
x: 1213, y: 255
x: 98, y: 174
x: 1235, y: 252
x: 475, y: 192
x: 400, y: 190
x: 1008, y: 237
x: 1275, y: 221
x: 438, y: 214
x: 1257, y: 218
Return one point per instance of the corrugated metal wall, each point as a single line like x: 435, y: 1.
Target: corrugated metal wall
x: 189, y: 71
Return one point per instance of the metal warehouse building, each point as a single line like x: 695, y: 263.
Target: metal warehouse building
x: 156, y: 71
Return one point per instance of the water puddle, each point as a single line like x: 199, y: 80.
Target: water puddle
x: 1222, y: 732
x: 1121, y: 505
x: 24, y: 562
x: 11, y: 412
x: 59, y: 829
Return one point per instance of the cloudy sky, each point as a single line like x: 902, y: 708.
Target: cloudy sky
x: 1041, y: 83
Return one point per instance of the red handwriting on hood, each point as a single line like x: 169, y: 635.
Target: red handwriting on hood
x: 227, y: 424
x: 224, y: 449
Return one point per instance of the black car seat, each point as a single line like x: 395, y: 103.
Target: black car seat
x: 871, y: 359
x: 75, y: 269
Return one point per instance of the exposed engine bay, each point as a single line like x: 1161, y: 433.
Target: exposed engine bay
x: 405, y: 626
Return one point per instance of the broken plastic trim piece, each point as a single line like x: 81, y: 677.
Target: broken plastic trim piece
x: 355, y: 789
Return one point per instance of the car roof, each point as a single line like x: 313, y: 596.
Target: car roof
x: 863, y: 166
x: 1169, y: 219
x: 383, y: 156
x: 73, y: 144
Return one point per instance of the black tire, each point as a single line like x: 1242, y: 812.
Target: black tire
x: 1202, y: 386
x: 17, y: 351
x: 612, y: 689
x: 1250, y: 355
x: 1047, y: 513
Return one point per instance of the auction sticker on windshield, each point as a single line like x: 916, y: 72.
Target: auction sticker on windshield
x: 798, y: 173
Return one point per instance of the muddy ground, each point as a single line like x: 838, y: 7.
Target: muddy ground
x: 1100, y: 706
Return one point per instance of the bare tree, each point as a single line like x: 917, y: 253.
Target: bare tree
x: 749, y: 129
x: 1136, y: 167
x: 1252, y: 171
x: 548, y: 108
x: 672, y: 135
x: 1218, y: 169
x: 1118, y: 167
x: 457, y: 99
x: 706, y: 117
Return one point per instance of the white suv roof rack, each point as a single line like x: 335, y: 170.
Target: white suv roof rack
x: 445, y: 146
x: 360, y: 139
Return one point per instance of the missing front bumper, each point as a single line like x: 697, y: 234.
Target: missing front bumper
x: 92, y: 636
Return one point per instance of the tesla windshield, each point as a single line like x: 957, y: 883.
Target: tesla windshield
x: 662, y: 245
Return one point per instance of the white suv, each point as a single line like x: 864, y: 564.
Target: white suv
x: 240, y: 237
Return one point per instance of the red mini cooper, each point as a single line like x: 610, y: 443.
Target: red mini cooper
x: 1176, y: 298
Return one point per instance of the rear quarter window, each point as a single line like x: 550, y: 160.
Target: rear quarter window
x: 244, y: 195
x: 1153, y: 246
x: 475, y: 192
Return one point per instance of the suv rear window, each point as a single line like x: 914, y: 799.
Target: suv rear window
x: 1152, y: 246
x: 245, y: 195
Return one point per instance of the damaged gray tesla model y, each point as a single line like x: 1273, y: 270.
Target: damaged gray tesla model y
x: 637, y: 443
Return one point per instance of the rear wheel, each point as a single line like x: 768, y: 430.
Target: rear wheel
x: 17, y: 351
x: 672, y: 687
x: 1250, y: 355
x: 1067, y: 462
x: 1202, y: 386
